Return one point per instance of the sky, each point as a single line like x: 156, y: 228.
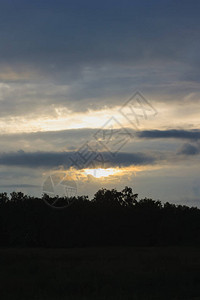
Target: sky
x: 102, y: 93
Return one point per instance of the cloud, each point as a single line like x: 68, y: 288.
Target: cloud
x: 72, y: 139
x: 74, y: 34
x: 67, y: 159
x: 168, y: 134
x: 87, y: 56
x: 189, y: 149
x: 61, y: 40
x: 16, y: 186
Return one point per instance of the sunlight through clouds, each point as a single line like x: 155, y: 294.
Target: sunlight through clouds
x: 68, y: 69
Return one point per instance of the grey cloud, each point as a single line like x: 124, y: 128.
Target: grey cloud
x: 13, y: 186
x: 96, y: 88
x: 71, y: 36
x: 172, y: 133
x: 96, y: 32
x: 127, y: 159
x: 189, y: 149
x: 66, y: 159
x: 83, y: 55
x: 72, y: 139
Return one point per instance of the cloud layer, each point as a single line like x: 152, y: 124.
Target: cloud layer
x: 73, y: 159
x: 66, y: 67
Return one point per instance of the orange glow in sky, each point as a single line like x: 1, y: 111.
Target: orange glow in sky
x: 99, y: 173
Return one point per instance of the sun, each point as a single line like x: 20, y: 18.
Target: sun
x: 99, y: 173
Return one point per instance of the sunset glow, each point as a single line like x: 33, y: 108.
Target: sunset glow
x: 99, y: 173
x: 106, y: 93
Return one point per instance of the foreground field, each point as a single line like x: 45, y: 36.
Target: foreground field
x: 100, y: 273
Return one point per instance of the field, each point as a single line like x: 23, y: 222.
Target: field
x: 100, y: 273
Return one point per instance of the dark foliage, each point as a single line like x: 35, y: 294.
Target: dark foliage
x: 112, y: 218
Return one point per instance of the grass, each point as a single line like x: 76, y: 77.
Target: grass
x: 100, y: 273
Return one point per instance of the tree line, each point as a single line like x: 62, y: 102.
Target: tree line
x: 111, y: 218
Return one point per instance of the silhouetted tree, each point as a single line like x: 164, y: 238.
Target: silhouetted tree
x: 128, y: 198
x: 110, y: 218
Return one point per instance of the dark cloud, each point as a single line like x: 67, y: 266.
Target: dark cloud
x: 52, y: 36
x: 67, y: 159
x: 127, y: 159
x: 172, y: 133
x: 189, y: 149
x: 95, y: 51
